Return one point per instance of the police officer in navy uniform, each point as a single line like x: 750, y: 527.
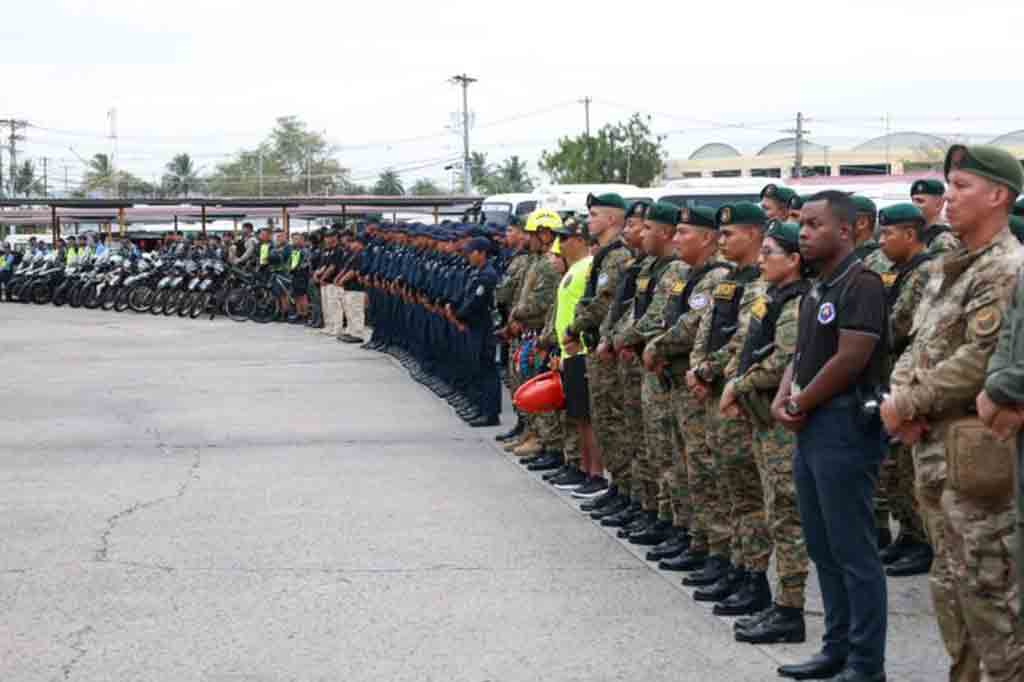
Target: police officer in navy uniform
x: 841, y: 362
x: 473, y: 317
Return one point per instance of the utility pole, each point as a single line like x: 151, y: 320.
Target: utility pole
x: 798, y: 144
x: 586, y: 111
x: 887, y: 120
x: 46, y: 186
x: 309, y: 175
x: 261, y: 172
x: 13, y: 139
x: 464, y: 81
x: 112, y: 115
x: 67, y: 188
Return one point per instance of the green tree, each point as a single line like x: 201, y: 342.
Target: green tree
x: 425, y: 187
x: 181, y: 176
x: 389, y: 184
x: 511, y: 176
x: 25, y: 181
x: 99, y: 174
x: 480, y: 172
x: 624, y: 152
x: 294, y: 160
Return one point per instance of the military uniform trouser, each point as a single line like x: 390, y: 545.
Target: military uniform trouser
x: 774, y: 449
x: 631, y: 374
x: 717, y: 514
x: 973, y: 577
x: 734, y: 457
x: 702, y: 493
x: 897, y: 483
x: 662, y: 450
x: 606, y: 420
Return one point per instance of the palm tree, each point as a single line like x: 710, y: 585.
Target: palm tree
x: 425, y: 187
x: 389, y: 184
x: 513, y: 176
x: 181, y: 175
x: 25, y: 179
x: 99, y: 173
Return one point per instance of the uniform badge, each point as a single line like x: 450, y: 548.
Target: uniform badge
x: 641, y: 284
x: 760, y: 308
x: 678, y: 287
x: 684, y: 215
x: 725, y: 215
x: 956, y: 157
x: 602, y: 279
x: 769, y: 190
x: 987, y: 321
x: 698, y: 302
x: 888, y: 279
x: 480, y: 290
x: 725, y: 291
x: 826, y: 313
x: 917, y: 189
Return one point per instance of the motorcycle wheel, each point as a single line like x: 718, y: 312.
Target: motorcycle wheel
x: 185, y: 303
x: 140, y: 298
x: 200, y: 305
x: 42, y: 293
x: 75, y: 295
x: 91, y: 296
x: 121, y: 296
x: 60, y: 295
x: 265, y: 307
x: 159, y: 300
x: 239, y: 305
x: 174, y: 297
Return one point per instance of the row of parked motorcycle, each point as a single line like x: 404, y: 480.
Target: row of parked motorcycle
x: 184, y: 287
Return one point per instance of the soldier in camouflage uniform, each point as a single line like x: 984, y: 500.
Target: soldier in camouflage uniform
x: 769, y: 348
x: 956, y: 330
x: 506, y: 293
x: 693, y: 478
x: 530, y: 314
x: 902, y: 236
x: 656, y: 283
x: 714, y: 361
x: 619, y: 461
x: 775, y: 201
x: 927, y: 195
x: 607, y: 218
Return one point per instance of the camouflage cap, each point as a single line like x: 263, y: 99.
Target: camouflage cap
x: 991, y: 163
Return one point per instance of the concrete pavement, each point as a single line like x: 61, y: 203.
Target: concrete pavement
x: 187, y: 500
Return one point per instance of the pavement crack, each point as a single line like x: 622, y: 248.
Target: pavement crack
x: 77, y: 645
x: 102, y: 552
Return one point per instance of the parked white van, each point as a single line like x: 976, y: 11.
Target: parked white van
x: 499, y: 208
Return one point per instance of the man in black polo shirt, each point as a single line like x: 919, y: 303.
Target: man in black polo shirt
x: 841, y: 359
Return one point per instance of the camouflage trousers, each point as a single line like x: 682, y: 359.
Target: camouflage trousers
x: 897, y: 484
x: 734, y: 460
x: 973, y: 578
x: 662, y: 450
x: 606, y: 410
x: 631, y: 375
x: 696, y: 467
x: 774, y: 449
x: 717, y: 513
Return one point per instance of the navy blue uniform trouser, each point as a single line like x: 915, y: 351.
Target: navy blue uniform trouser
x: 488, y: 382
x: 836, y: 471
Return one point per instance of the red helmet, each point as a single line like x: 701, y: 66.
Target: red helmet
x: 543, y: 393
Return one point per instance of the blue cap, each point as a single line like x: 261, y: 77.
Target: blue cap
x: 477, y: 244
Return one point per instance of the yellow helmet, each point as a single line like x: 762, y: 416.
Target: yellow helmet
x: 543, y: 219
x: 556, y: 247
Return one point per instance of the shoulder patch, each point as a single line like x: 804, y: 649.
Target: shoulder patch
x: 698, y: 302
x: 888, y: 279
x: 987, y: 321
x: 725, y: 291
x: 826, y: 313
x: 678, y: 287
x: 760, y: 308
x: 642, y: 282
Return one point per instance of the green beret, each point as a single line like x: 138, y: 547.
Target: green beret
x: 900, y: 213
x: 864, y: 205
x: 773, y: 191
x: 988, y: 162
x: 611, y: 200
x: 1017, y: 227
x: 638, y: 208
x: 741, y: 213
x: 1018, y: 208
x: 786, y: 234
x: 797, y: 201
x: 933, y: 187
x: 701, y: 216
x: 663, y: 212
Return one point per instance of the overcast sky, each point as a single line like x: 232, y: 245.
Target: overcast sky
x: 210, y: 77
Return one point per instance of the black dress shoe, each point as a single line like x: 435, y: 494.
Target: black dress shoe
x: 622, y: 518
x: 484, y: 421
x: 915, y: 561
x: 687, y: 561
x: 652, y: 535
x: 852, y: 675
x: 675, y: 545
x: 782, y: 625
x: 725, y: 586
x: 639, y: 523
x: 753, y: 596
x: 614, y: 507
x: 884, y: 538
x: 819, y: 667
x: 895, y: 551
x: 748, y: 622
x: 714, y: 568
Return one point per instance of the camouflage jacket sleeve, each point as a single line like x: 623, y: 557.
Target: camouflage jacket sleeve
x: 956, y: 337
x: 901, y: 317
x: 767, y: 374
x: 591, y: 311
x: 1005, y: 381
x: 751, y: 294
x: 507, y: 289
x: 538, y: 295
x: 548, y: 338
x: 681, y: 337
x: 653, y: 321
